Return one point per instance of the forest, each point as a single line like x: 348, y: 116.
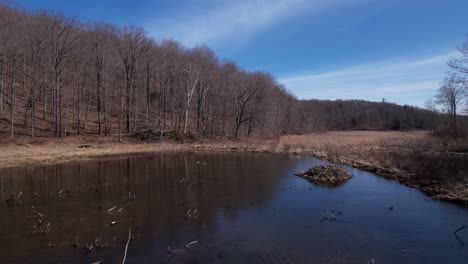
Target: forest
x: 60, y: 76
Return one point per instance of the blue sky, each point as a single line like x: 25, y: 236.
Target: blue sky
x: 325, y: 49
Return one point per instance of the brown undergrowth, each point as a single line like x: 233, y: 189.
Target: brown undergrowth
x: 437, y: 166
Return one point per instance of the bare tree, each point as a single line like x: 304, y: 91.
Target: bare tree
x: 459, y: 65
x: 131, y: 45
x: 245, y: 90
x: 430, y: 105
x: 193, y: 76
x: 61, y: 42
x: 450, y: 96
x: 101, y: 35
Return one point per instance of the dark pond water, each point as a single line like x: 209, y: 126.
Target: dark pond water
x: 241, y: 208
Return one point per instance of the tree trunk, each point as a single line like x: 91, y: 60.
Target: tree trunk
x: 2, y: 88
x: 120, y: 118
x: 99, y: 103
x: 60, y: 106
x: 134, y: 101
x: 12, y: 104
x: 128, y: 87
x: 55, y: 102
x: 454, y: 106
x: 105, y: 106
x: 66, y: 121
x: 88, y: 105
x: 44, y: 99
x: 33, y: 109
x: 147, y: 93
x: 80, y: 95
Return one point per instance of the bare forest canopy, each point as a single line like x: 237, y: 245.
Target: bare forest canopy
x: 59, y: 76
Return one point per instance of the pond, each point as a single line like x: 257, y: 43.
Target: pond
x: 238, y: 207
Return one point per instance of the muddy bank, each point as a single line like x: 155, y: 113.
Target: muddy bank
x: 455, y: 191
x: 439, y: 173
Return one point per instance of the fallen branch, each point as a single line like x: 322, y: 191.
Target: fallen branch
x: 456, y: 234
x: 126, y: 246
x: 88, y: 248
x: 458, y: 230
x: 190, y: 244
x: 179, y: 250
x: 110, y: 210
x: 328, y: 216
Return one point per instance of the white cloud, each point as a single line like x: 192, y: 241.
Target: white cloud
x: 231, y: 22
x: 409, y: 82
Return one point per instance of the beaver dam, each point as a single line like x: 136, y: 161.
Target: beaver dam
x: 219, y: 208
x: 326, y: 175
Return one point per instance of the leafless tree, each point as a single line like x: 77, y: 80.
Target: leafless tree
x: 131, y: 45
x: 61, y: 41
x: 450, y: 95
x: 459, y: 64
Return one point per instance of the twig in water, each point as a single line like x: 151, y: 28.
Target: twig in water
x: 110, y: 210
x: 180, y: 250
x: 458, y: 230
x: 88, y: 248
x: 324, y: 217
x: 329, y: 216
x: 190, y: 244
x: 456, y: 235
x: 126, y: 246
x: 75, y: 243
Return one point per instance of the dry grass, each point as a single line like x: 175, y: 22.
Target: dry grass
x: 382, y: 148
x: 435, y: 165
x: 45, y: 151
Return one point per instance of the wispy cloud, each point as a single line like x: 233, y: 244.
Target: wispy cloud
x: 409, y: 82
x: 232, y: 22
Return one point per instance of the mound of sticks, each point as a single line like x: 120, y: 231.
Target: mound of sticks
x: 328, y: 175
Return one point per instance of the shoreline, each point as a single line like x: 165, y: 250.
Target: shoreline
x: 29, y: 153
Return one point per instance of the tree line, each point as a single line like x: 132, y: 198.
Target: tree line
x: 60, y: 76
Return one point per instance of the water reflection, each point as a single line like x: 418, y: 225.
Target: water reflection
x: 166, y: 195
x: 240, y: 207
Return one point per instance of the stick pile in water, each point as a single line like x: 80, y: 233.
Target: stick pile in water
x: 328, y: 175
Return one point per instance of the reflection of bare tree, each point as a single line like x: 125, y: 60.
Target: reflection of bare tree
x: 144, y: 192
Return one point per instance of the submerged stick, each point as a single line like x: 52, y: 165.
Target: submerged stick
x: 183, y: 249
x: 456, y: 235
x: 110, y: 210
x: 126, y: 246
x: 190, y: 244
x: 458, y: 230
